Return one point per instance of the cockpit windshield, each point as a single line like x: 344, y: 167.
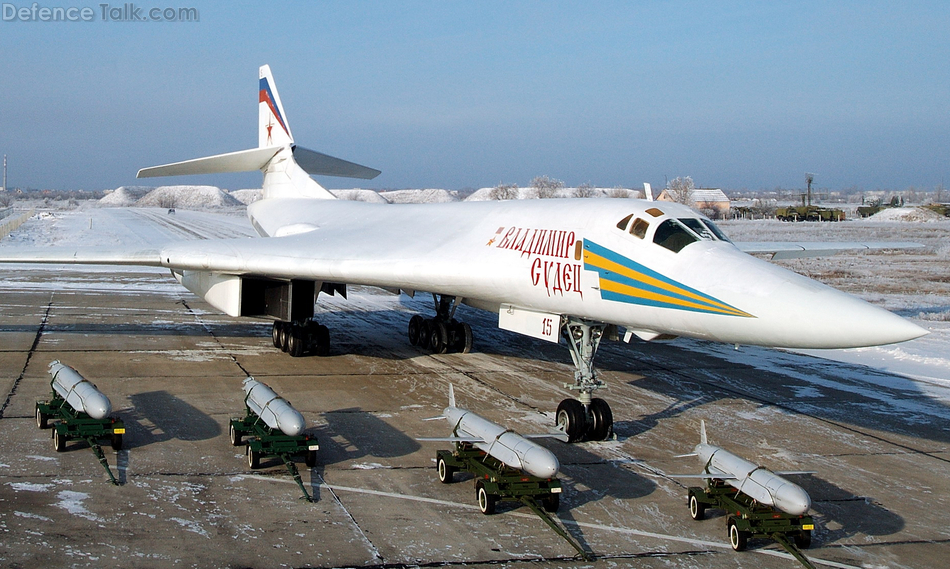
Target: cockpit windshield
x: 673, y: 235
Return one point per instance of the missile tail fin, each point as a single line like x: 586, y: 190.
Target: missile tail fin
x: 451, y: 396
x: 702, y: 431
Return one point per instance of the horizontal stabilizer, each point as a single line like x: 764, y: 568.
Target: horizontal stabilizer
x: 241, y: 161
x: 317, y: 163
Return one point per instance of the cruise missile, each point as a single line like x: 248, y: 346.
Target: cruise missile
x: 273, y: 409
x: 81, y: 394
x: 757, y: 482
x: 505, y: 445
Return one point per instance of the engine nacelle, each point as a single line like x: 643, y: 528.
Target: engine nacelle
x: 237, y: 295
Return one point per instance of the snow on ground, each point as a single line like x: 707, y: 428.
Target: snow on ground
x: 909, y: 214
x: 187, y: 197
x: 357, y: 195
x: 247, y: 197
x: 420, y: 196
x: 125, y: 196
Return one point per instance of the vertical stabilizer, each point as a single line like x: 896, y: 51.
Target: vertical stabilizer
x: 702, y: 432
x: 451, y: 396
x: 273, y: 128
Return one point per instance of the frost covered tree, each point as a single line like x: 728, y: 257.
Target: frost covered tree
x: 680, y: 190
x: 504, y: 192
x: 585, y: 190
x: 546, y: 187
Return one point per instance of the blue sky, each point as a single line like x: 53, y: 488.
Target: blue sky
x: 471, y: 94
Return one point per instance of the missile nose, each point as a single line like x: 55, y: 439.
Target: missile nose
x: 540, y: 462
x: 98, y: 407
x: 793, y: 499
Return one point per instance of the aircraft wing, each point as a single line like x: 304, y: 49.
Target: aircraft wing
x: 796, y: 250
x: 82, y: 256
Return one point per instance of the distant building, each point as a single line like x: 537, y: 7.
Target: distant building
x: 704, y: 199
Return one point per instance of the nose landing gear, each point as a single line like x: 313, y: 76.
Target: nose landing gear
x: 587, y: 417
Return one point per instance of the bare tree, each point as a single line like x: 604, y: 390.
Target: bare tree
x: 680, y: 190
x: 546, y: 187
x: 586, y: 190
x: 618, y: 192
x: 504, y: 192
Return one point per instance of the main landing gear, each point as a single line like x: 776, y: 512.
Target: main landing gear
x: 585, y: 418
x: 301, y: 339
x: 443, y: 333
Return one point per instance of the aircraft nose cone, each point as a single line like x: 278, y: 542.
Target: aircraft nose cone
x: 540, y: 462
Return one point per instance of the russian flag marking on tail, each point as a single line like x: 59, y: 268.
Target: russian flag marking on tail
x: 273, y: 128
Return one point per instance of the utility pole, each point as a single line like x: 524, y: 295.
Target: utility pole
x: 808, y: 179
x: 4, y: 173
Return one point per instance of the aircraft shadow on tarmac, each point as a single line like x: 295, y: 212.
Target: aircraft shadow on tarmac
x: 352, y: 434
x: 158, y: 416
x: 842, y: 514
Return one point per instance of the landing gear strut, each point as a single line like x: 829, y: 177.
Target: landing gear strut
x: 443, y: 333
x: 301, y: 339
x: 587, y: 417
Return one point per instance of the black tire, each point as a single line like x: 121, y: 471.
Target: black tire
x: 486, y: 501
x: 253, y: 458
x: 445, y: 472
x: 602, y: 421
x: 737, y: 539
x: 697, y: 510
x: 282, y: 335
x: 803, y: 539
x: 296, y: 343
x: 236, y: 436
x: 275, y: 334
x: 320, y: 341
x: 572, y: 419
x: 116, y: 441
x: 466, y: 338
x: 311, y: 459
x: 438, y: 338
x: 551, y: 503
x: 59, y: 441
x: 42, y: 419
x: 415, y: 329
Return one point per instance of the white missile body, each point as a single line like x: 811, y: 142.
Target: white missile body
x: 509, y: 447
x: 78, y: 391
x: 273, y: 409
x: 757, y: 482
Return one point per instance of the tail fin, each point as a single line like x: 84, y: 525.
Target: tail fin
x: 702, y: 431
x: 451, y: 396
x: 286, y: 167
x: 273, y: 128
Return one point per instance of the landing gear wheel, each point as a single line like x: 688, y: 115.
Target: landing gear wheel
x: 466, y: 339
x: 416, y: 324
x: 59, y: 441
x: 602, y: 421
x: 551, y: 503
x: 42, y: 419
x: 311, y: 459
x: 116, y: 442
x: 275, y: 333
x: 697, y: 511
x: 296, y: 342
x: 439, y: 339
x: 486, y: 501
x: 253, y: 458
x: 571, y: 418
x: 803, y: 539
x: 236, y: 436
x: 282, y: 335
x: 737, y: 539
x: 446, y: 473
x: 320, y: 340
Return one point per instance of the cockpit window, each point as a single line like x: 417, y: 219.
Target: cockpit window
x: 698, y: 227
x: 623, y: 222
x: 654, y: 212
x: 639, y: 228
x: 673, y: 235
x: 716, y: 231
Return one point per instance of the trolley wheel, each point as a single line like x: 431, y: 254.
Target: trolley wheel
x: 42, y: 419
x: 253, y: 458
x: 311, y: 458
x: 551, y: 502
x: 697, y: 510
x: 737, y: 539
x: 803, y: 539
x: 446, y: 473
x: 116, y: 441
x: 486, y: 501
x: 59, y: 441
x: 236, y: 436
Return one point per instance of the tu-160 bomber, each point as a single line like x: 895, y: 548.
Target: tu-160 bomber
x: 551, y: 269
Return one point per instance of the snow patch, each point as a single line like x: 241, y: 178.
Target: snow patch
x: 358, y: 195
x: 907, y: 214
x: 29, y: 486
x: 72, y: 502
x: 420, y: 196
x: 187, y: 197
